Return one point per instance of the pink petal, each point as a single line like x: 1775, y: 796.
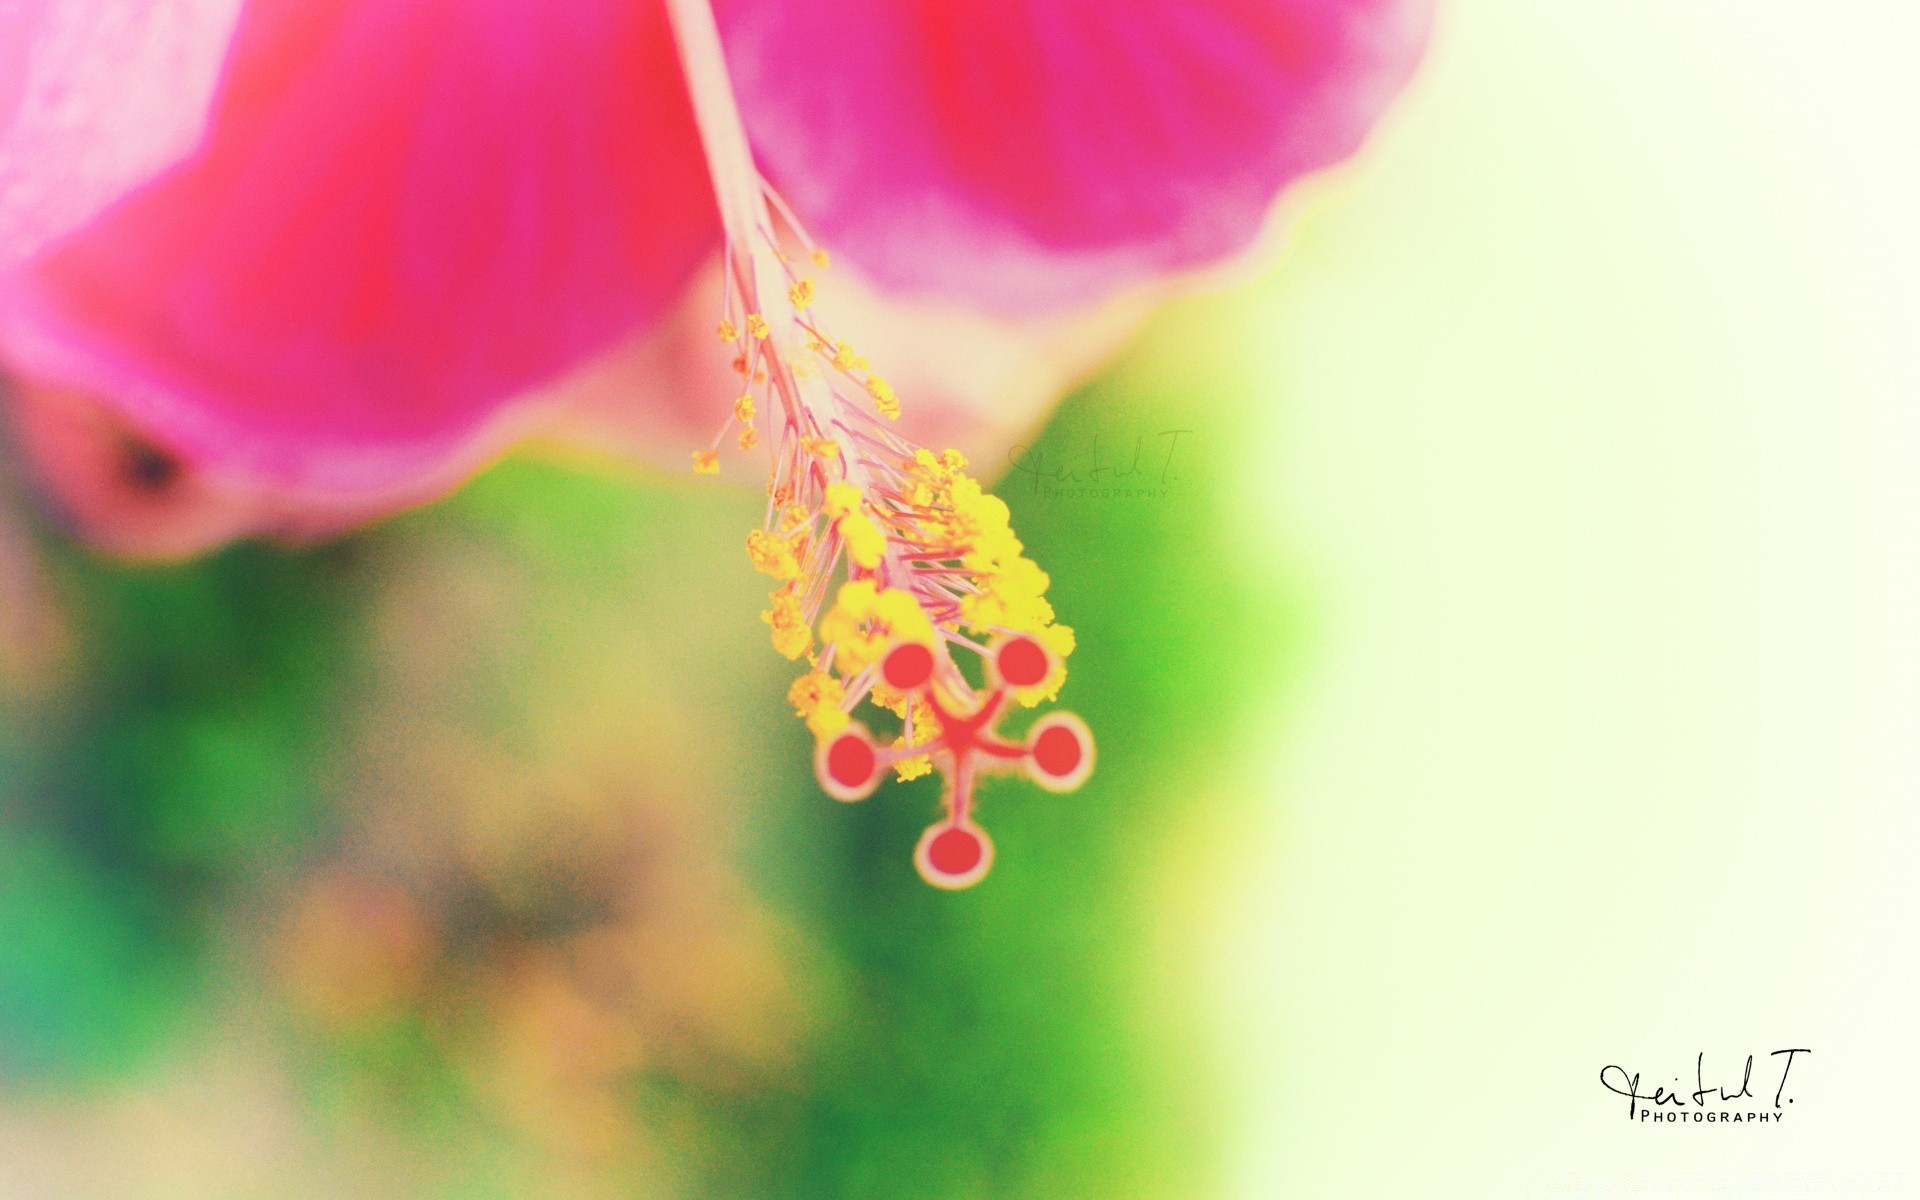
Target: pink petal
x: 407, y: 215
x: 1031, y: 153
x: 96, y: 95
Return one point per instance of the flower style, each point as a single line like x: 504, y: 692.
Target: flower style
x: 416, y: 233
x: 932, y: 566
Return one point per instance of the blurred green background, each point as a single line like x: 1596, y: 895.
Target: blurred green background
x: 479, y: 854
x: 1518, y: 674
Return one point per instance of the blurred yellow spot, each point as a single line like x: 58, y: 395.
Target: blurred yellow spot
x: 844, y: 359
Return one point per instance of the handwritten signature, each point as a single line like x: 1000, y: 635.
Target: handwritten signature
x: 1069, y: 469
x: 1714, y: 1098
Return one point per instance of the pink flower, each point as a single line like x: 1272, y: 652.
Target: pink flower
x: 411, y: 215
x: 417, y: 231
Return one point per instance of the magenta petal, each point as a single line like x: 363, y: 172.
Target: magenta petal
x: 407, y: 215
x: 1032, y: 153
x: 96, y: 95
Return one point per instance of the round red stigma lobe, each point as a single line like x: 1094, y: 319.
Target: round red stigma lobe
x: 1057, y: 750
x: 954, y: 851
x: 908, y: 666
x: 953, y: 856
x: 1021, y: 661
x: 850, y: 761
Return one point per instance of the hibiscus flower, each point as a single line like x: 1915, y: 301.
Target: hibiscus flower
x: 415, y: 232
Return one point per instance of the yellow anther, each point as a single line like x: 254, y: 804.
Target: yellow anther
x: 727, y: 332
x: 801, y: 293
x: 756, y: 325
x: 743, y: 408
x: 841, y: 499
x: 792, y: 636
x: 820, y: 259
x: 749, y: 438
x: 884, y: 400
x: 912, y: 768
x: 771, y: 555
x: 816, y: 698
x: 865, y: 542
x: 706, y: 462
x: 820, y: 447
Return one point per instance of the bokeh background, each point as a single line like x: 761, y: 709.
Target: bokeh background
x: 1515, y: 671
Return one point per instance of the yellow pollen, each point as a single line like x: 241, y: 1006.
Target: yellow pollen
x: 841, y: 499
x: 727, y: 332
x: 706, y: 462
x: 865, y: 542
x: 775, y: 556
x: 756, y: 325
x: 820, y: 447
x: 792, y: 636
x: 820, y: 259
x: 884, y: 400
x: 816, y: 697
x: 801, y: 293
x: 743, y: 409
x: 749, y: 438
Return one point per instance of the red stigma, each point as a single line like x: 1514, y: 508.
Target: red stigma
x: 1058, y: 753
x: 908, y: 666
x: 1022, y: 662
